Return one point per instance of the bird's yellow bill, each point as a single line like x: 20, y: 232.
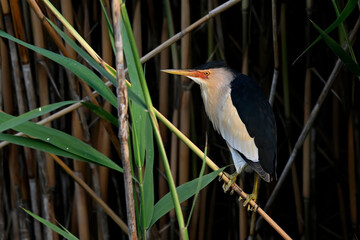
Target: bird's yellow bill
x: 184, y: 72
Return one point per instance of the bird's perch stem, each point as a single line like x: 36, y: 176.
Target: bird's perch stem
x: 214, y: 167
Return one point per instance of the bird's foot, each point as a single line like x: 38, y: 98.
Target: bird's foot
x: 252, y: 196
x: 232, y: 180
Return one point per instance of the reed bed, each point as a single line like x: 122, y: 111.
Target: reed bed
x: 97, y: 143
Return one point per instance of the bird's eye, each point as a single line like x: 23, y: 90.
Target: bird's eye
x: 207, y: 73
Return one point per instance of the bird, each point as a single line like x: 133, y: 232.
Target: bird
x: 242, y: 115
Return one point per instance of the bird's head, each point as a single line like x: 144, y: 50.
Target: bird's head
x: 211, y: 74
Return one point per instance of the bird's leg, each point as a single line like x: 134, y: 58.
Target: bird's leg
x: 232, y: 180
x: 253, y: 195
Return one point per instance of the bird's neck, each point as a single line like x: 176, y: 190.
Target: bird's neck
x: 214, y: 98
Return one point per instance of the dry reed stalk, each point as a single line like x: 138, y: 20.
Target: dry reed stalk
x: 45, y: 162
x: 204, y: 212
x: 67, y: 11
x: 14, y: 191
x: 306, y: 171
x: 18, y: 185
x: 7, y: 106
x: 164, y: 83
x: 102, y: 226
x: 211, y: 213
x: 14, y: 60
x: 36, y: 8
x: 164, y: 109
x: 81, y: 209
x: 24, y: 54
x: 121, y: 91
x: 184, y: 114
x: 136, y: 26
x: 297, y: 196
x: 174, y: 150
x: 243, y: 221
x: 351, y: 173
x: 104, y: 138
x: 306, y: 156
x: 218, y: 24
x: 174, y: 142
x: 80, y: 198
x: 184, y: 153
x: 77, y: 127
x: 276, y: 51
x: 342, y: 211
x: 6, y: 88
x: 103, y: 142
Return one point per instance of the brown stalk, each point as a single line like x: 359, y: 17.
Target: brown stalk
x: 243, y: 221
x: 45, y: 162
x: 121, y: 91
x: 164, y: 109
x: 7, y: 93
x: 203, y: 217
x: 78, y: 130
x: 80, y: 203
x: 174, y: 150
x: 297, y: 196
x: 342, y: 211
x: 136, y: 26
x: 104, y: 139
x: 276, y: 52
x: 36, y: 8
x: 351, y: 173
x: 15, y: 194
x: 306, y: 154
x: 17, y: 183
x: 184, y: 113
x: 8, y: 106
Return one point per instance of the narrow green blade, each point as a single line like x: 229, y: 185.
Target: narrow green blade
x: 101, y: 112
x: 184, y: 191
x: 33, y: 114
x: 63, y: 141
x: 65, y: 234
x: 339, y: 51
x: 39, y: 145
x: 351, y: 4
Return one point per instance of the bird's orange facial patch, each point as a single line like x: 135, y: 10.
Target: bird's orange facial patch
x: 204, y: 74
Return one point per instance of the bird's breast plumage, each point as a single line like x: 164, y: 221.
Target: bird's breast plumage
x: 226, y: 120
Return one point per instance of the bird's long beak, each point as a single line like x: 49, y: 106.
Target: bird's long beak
x: 183, y: 72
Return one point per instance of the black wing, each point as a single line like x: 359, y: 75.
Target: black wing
x: 258, y: 117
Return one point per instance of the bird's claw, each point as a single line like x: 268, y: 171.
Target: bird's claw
x: 247, y: 201
x: 232, y: 180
